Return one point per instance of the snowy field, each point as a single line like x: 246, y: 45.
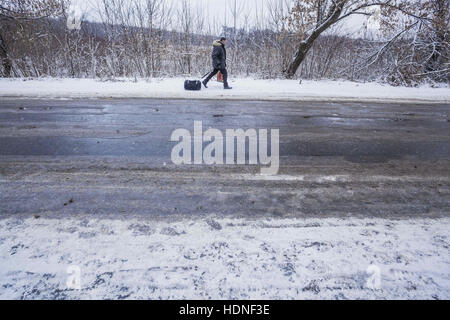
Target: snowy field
x: 142, y: 258
x: 244, y: 89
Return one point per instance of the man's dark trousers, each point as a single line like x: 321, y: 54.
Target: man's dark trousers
x: 225, y: 76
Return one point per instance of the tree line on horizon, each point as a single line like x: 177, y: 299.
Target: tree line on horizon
x: 297, y: 39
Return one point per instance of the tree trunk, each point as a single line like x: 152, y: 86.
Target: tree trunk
x: 440, y: 36
x: 305, y: 46
x: 6, y: 62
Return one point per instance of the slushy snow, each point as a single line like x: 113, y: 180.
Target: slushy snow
x: 142, y: 258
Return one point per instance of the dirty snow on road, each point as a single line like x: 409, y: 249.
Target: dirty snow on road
x: 206, y: 258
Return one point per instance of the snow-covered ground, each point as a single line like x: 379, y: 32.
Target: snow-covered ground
x: 246, y: 89
x: 144, y: 258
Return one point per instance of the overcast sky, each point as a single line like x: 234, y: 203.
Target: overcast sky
x: 220, y: 12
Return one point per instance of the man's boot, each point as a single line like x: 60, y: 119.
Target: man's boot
x: 227, y: 87
x: 205, y: 84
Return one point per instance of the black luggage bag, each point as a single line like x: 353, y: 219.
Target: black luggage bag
x: 192, y: 85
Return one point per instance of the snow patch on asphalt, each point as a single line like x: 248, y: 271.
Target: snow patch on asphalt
x: 143, y: 258
x: 244, y: 89
x: 336, y: 178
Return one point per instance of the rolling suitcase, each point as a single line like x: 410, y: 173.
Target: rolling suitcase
x: 192, y: 85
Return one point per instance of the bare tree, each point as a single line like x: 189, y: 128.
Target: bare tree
x: 418, y: 41
x: 22, y: 12
x: 311, y: 18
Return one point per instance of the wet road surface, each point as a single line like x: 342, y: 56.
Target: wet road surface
x: 112, y: 157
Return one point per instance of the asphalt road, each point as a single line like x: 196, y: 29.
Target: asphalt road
x: 112, y: 157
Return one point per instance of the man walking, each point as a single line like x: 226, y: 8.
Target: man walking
x: 219, y: 60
